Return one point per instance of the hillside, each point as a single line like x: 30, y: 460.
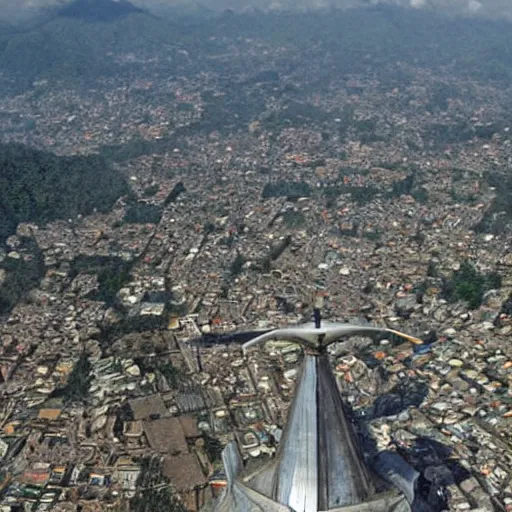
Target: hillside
x: 36, y: 186
x: 82, y: 45
x: 74, y: 48
x: 95, y: 10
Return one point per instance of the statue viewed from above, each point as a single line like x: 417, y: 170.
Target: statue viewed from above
x: 318, y: 465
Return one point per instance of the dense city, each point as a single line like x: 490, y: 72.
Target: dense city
x: 121, y: 375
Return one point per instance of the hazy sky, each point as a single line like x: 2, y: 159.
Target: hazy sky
x: 11, y: 9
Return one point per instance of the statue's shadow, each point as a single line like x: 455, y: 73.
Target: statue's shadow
x: 422, y: 468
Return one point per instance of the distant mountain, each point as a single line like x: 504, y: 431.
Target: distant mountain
x: 98, y: 10
x: 5, y: 28
x: 37, y: 186
x: 188, y: 12
x: 75, y: 47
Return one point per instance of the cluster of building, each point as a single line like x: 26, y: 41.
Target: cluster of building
x: 106, y: 393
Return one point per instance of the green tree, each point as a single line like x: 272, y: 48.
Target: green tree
x: 470, y: 285
x: 291, y: 189
x: 172, y: 375
x: 150, y: 500
x: 237, y: 264
x: 213, y: 448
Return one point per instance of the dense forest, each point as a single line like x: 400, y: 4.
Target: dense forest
x: 37, y: 186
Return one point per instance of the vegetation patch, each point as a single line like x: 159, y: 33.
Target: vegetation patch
x: 213, y: 448
x: 360, y: 195
x: 37, y: 186
x: 237, y: 265
x: 113, y: 273
x: 497, y: 218
x: 173, y: 375
x: 21, y: 275
x: 156, y: 499
x: 469, y: 285
x: 142, y: 213
x: 289, y: 189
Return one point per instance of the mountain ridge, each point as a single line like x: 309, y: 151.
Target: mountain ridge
x: 98, y: 10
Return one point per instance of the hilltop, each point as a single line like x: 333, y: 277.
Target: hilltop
x: 98, y: 11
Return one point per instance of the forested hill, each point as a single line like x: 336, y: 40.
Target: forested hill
x: 37, y: 186
x: 77, y: 44
x: 92, y: 10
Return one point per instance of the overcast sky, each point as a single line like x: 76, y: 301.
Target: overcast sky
x: 15, y: 9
